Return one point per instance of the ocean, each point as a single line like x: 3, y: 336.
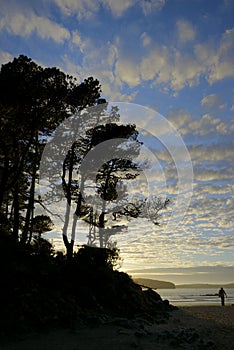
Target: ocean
x: 196, y: 296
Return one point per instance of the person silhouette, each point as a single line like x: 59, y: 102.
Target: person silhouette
x: 222, y: 295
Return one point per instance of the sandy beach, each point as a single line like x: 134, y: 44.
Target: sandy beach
x: 190, y: 327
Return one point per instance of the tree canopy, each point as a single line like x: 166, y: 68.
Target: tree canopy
x: 33, y: 102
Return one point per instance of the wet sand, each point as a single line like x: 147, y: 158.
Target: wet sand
x: 190, y: 327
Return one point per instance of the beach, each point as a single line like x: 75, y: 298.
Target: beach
x: 190, y: 327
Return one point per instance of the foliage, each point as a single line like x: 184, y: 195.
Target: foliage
x: 93, y: 257
x: 41, y: 288
x: 39, y: 285
x: 106, y: 180
x: 33, y: 102
x: 41, y: 224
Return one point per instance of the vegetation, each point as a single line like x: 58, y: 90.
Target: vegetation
x: 205, y: 285
x: 33, y: 102
x: 150, y: 283
x: 42, y: 288
x: 39, y: 285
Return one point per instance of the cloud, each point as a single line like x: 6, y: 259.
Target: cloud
x: 186, y: 124
x: 212, y: 153
x: 145, y: 39
x: 170, y: 68
x: 84, y: 9
x: 148, y: 6
x: 205, y: 175
x: 175, y: 67
x: 27, y: 23
x: 127, y: 72
x: 104, y: 69
x: 118, y: 7
x: 213, y: 101
x: 179, y: 275
x: 185, y: 31
x: 79, y: 41
x: 179, y: 118
x: 217, y: 189
x: 218, y: 58
x: 205, y: 125
x: 154, y: 63
x: 79, y: 8
x: 5, y: 57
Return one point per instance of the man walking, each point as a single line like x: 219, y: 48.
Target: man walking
x: 222, y: 295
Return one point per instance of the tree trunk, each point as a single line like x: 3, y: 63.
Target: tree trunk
x: 15, y: 232
x: 30, y: 210
x: 69, y: 247
x: 101, y: 225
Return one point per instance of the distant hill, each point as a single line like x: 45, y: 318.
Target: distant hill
x: 154, y: 284
x: 205, y: 285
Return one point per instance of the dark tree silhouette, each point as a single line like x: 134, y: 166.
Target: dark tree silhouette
x: 73, y: 185
x: 106, y: 178
x: 41, y: 224
x: 33, y: 102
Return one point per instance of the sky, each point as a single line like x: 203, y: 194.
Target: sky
x: 176, y: 59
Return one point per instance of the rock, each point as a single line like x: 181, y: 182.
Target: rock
x: 122, y: 322
x: 152, y: 295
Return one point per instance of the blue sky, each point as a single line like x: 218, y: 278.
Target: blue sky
x: 176, y: 57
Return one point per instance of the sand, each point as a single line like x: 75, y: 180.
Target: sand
x: 190, y: 327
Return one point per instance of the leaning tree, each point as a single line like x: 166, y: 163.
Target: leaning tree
x: 94, y: 175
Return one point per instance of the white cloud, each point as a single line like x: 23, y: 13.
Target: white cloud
x: 145, y: 39
x: 213, y: 101
x: 174, y: 68
x: 150, y: 5
x: 206, y: 125
x: 84, y: 44
x: 80, y: 8
x: 217, y: 189
x: 212, y: 175
x: 154, y: 63
x: 47, y: 29
x: 127, y: 72
x: 224, y: 69
x: 212, y: 153
x: 170, y: 67
x: 205, y: 54
x: 25, y: 24
x: 185, y: 31
x: 185, y: 123
x: 180, y: 119
x: 5, y: 57
x: 87, y: 8
x: 118, y: 7
x: 227, y: 40
x: 223, y: 65
x: 103, y: 69
x: 185, y: 70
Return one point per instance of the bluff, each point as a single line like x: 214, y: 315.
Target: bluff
x: 154, y: 284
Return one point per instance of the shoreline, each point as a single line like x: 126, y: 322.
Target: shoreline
x: 190, y: 327
x: 181, y: 304
x: 219, y: 314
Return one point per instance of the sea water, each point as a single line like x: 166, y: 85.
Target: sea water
x: 196, y: 296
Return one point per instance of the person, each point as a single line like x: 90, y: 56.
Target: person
x: 222, y: 295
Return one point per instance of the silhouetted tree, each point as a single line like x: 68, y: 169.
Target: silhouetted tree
x: 33, y: 102
x: 41, y: 224
x: 73, y: 184
x: 108, y: 182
